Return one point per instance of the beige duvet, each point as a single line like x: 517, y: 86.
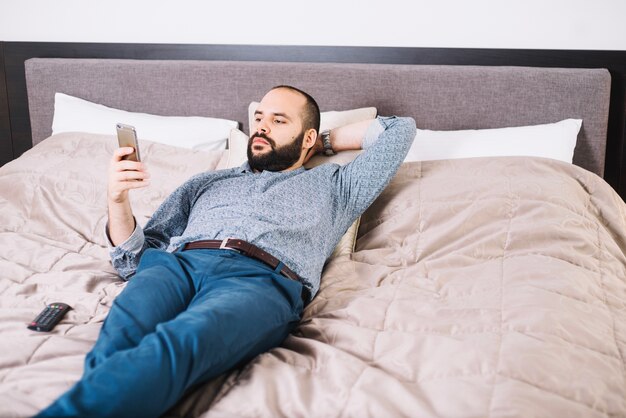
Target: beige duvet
x: 479, y: 288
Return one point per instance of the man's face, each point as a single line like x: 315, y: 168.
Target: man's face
x: 277, y: 136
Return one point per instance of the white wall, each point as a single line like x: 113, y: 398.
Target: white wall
x: 535, y: 24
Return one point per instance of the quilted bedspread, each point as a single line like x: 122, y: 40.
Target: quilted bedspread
x: 485, y: 287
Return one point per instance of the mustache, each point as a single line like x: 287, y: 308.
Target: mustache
x: 265, y: 137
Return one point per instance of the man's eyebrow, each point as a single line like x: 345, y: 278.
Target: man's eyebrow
x: 284, y: 115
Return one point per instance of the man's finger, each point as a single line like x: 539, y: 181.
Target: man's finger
x: 121, y: 152
x: 135, y: 184
x: 131, y: 175
x: 125, y: 165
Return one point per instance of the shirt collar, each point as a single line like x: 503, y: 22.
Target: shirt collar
x: 245, y: 167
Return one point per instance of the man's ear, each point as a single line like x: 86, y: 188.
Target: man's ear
x: 310, y: 137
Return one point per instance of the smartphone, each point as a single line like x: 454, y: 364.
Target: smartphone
x: 127, y: 137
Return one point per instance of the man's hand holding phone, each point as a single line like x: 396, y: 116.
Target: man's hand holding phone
x: 124, y: 174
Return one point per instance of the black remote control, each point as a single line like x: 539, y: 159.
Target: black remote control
x: 49, y: 317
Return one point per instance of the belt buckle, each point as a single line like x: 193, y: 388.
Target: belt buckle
x: 224, y: 247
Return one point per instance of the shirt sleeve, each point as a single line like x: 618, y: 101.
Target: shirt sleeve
x: 134, y: 243
x: 386, y: 144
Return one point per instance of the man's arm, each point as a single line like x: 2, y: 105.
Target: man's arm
x: 344, y: 138
x: 349, y: 137
x: 124, y: 176
x: 385, y: 141
x: 128, y: 240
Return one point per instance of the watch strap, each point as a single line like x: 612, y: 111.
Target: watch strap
x: 328, y: 149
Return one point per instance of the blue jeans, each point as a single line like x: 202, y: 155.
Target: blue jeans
x: 184, y: 318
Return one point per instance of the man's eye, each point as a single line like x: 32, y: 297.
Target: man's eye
x: 278, y: 121
x: 257, y: 120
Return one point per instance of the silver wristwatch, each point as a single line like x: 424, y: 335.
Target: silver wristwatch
x: 328, y: 149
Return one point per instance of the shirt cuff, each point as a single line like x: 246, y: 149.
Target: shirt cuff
x: 133, y: 244
x: 376, y: 128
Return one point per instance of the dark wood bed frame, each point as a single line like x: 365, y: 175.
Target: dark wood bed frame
x: 15, y: 134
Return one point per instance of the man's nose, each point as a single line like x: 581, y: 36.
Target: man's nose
x: 262, y: 127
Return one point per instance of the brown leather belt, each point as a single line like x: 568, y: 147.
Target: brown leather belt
x: 249, y: 250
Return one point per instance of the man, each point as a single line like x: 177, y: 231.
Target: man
x: 194, y: 307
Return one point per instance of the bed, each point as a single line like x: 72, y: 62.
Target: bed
x: 488, y: 285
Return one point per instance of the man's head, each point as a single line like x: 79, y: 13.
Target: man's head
x: 285, y: 127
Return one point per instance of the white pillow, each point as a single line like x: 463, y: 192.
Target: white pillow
x: 237, y: 152
x: 552, y: 140
x: 72, y: 114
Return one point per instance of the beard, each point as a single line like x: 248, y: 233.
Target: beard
x: 278, y: 158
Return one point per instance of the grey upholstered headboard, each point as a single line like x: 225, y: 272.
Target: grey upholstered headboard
x: 438, y: 97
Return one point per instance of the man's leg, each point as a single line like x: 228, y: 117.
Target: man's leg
x: 240, y: 310
x: 159, y: 291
